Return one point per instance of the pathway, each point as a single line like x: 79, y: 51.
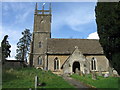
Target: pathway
x: 74, y: 82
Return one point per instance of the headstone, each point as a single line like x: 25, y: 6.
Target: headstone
x: 77, y: 71
x: 100, y: 72
x: 94, y: 76
x: 85, y: 71
x: 110, y: 71
x: 81, y: 73
x: 115, y: 73
x: 36, y: 82
x: 106, y: 75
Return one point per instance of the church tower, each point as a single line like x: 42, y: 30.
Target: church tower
x: 42, y: 31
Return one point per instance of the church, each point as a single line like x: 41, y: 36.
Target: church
x: 63, y: 56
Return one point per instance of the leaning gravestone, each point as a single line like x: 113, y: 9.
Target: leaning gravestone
x: 81, y: 73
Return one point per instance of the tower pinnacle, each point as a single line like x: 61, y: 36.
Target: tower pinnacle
x: 50, y: 8
x: 43, y: 6
x: 36, y: 7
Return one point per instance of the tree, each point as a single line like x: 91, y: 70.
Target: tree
x: 108, y: 26
x: 5, y: 48
x: 23, y: 46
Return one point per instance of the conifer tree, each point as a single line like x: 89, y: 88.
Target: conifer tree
x: 23, y: 46
x: 108, y: 26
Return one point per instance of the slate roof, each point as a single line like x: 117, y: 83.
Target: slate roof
x: 67, y: 46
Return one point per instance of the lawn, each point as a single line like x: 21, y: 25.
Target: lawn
x: 25, y: 78
x: 101, y: 82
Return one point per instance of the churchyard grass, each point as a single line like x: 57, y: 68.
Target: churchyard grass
x: 101, y: 82
x: 25, y: 78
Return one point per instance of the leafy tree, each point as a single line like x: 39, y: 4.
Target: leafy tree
x: 5, y: 48
x: 108, y: 26
x: 23, y: 46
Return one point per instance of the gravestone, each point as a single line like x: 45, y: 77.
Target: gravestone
x: 77, y: 71
x: 36, y: 82
x: 115, y: 73
x: 81, y: 73
x: 94, y: 76
x: 99, y: 72
x: 85, y: 71
x: 110, y: 71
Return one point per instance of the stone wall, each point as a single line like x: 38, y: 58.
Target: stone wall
x: 62, y: 59
x: 101, y: 62
x: 42, y: 31
x: 76, y: 57
x: 13, y: 64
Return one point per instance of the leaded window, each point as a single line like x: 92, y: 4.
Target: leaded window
x: 93, y: 64
x: 56, y: 64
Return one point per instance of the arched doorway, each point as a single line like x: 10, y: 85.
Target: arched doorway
x: 76, y: 65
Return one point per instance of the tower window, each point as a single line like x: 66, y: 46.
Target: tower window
x: 56, y: 64
x: 40, y: 60
x: 93, y: 64
x: 40, y: 44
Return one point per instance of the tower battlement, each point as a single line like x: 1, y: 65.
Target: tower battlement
x: 43, y: 11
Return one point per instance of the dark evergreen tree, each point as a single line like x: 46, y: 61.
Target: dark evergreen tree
x: 5, y: 48
x: 23, y: 46
x: 108, y: 26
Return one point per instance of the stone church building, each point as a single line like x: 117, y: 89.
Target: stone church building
x: 63, y: 55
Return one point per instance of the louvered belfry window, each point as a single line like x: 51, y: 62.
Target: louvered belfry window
x: 40, y: 60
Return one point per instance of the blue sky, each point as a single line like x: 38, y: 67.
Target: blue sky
x: 69, y: 20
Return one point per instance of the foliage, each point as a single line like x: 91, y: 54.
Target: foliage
x: 25, y: 78
x: 23, y: 45
x: 108, y: 26
x: 101, y: 82
x: 5, y: 48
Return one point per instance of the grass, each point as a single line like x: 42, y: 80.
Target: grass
x: 101, y: 82
x: 25, y: 78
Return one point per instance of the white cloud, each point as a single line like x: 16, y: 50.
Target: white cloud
x: 79, y: 18
x: 22, y: 17
x: 74, y: 17
x: 93, y: 36
x: 19, y: 13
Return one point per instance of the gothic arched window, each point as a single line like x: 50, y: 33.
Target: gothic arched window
x: 93, y: 64
x: 56, y: 64
x: 40, y: 60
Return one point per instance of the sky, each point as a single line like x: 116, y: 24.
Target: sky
x: 69, y: 20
